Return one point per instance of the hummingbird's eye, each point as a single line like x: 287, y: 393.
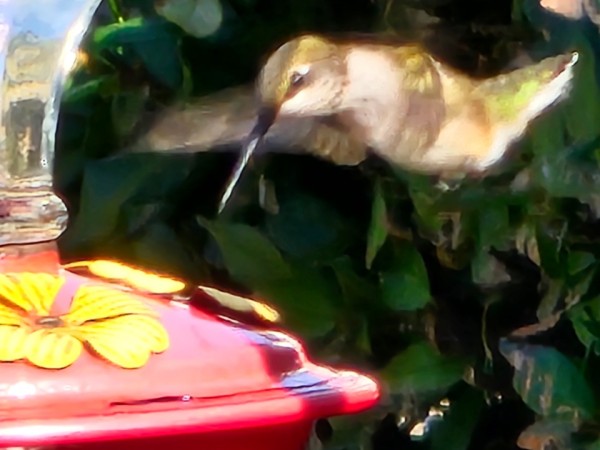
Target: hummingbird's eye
x: 296, y: 80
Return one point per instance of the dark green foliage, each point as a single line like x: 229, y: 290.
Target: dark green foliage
x: 487, y: 295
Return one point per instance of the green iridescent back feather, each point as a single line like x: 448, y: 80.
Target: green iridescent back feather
x: 508, y: 94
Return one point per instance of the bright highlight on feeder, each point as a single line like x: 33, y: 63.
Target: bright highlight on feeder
x: 136, y: 278
x: 242, y: 304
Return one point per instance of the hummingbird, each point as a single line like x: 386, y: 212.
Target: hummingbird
x: 399, y: 102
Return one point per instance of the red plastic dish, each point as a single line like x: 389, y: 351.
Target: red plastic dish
x: 218, y: 386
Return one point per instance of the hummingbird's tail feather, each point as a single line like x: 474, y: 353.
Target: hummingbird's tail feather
x: 530, y: 90
x: 513, y: 100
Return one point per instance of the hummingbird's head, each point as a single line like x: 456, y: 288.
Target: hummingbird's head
x: 303, y: 77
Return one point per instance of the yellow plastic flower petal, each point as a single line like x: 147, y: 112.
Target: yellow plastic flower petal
x: 30, y: 291
x: 95, y: 302
x: 136, y: 278
x: 10, y: 316
x: 117, y: 325
x: 242, y: 304
x: 40, y: 289
x: 10, y: 292
x: 13, y: 343
x: 52, y: 349
x: 126, y: 341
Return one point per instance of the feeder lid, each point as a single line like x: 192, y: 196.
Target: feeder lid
x: 116, y: 363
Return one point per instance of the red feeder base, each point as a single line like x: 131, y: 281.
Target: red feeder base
x: 218, y: 385
x: 284, y: 437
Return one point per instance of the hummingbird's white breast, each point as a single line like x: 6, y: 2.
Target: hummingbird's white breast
x: 371, y: 102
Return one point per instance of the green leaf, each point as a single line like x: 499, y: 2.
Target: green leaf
x: 378, y: 230
x: 548, y: 433
x: 548, y: 382
x: 163, y: 60
x: 405, y: 286
x: 249, y: 256
x: 563, y: 169
x: 159, y: 248
x: 593, y: 446
x: 361, y: 296
x: 585, y: 318
x: 307, y: 228
x: 127, y: 108
x: 579, y: 261
x: 486, y: 270
x: 550, y: 251
x: 564, y: 177
x: 548, y: 136
x: 305, y: 299
x: 111, y: 36
x: 493, y: 225
x: 113, y: 186
x: 359, y: 292
x: 303, y: 295
x: 420, y: 368
x: 155, y: 42
x: 454, y: 431
x: 427, y: 210
x: 104, y: 84
x: 350, y: 432
x: 585, y: 96
x: 198, y: 18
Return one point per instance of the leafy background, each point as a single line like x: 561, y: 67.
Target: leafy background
x: 477, y: 308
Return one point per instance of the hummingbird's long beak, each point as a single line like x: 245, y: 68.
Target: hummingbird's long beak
x: 266, y: 117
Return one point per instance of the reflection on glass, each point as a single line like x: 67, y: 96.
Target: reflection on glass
x: 38, y: 43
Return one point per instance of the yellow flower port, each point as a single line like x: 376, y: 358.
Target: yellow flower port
x: 110, y: 323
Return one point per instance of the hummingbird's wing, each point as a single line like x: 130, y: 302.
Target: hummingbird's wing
x: 211, y: 122
x: 221, y: 121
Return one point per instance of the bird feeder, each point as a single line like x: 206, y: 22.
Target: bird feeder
x: 99, y: 354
